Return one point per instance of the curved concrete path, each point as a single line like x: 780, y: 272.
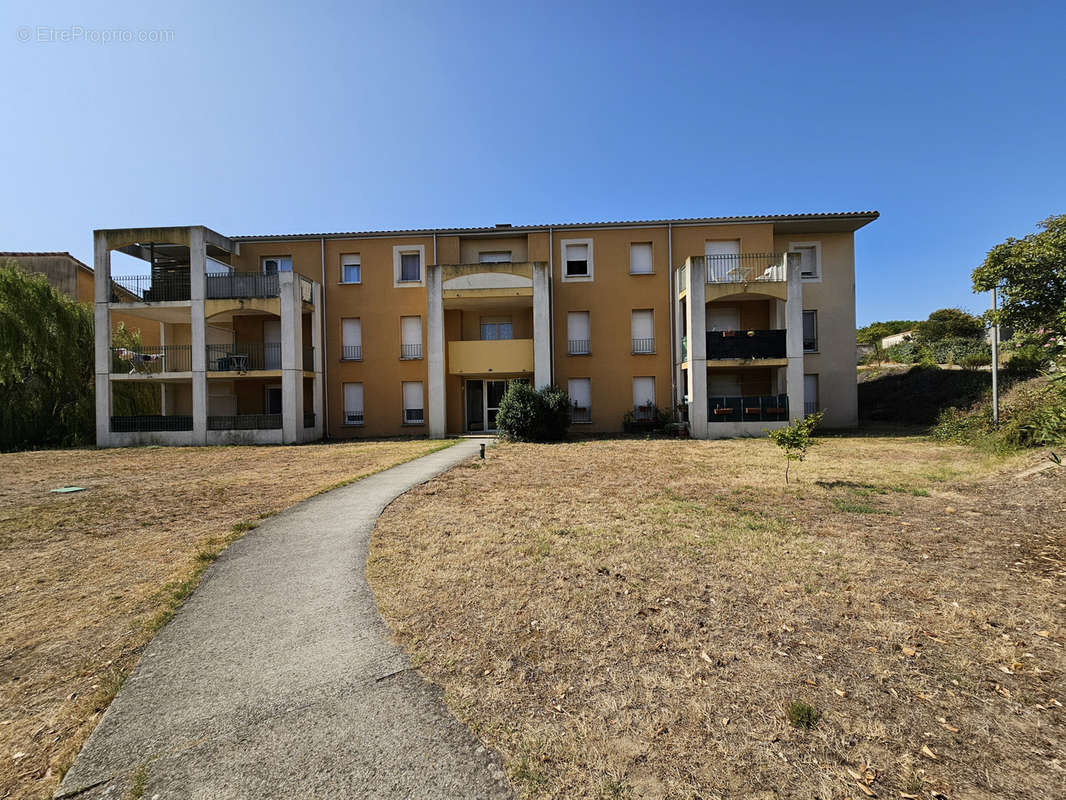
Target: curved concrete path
x: 277, y: 678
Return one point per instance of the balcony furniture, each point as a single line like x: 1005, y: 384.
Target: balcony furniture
x: 140, y: 363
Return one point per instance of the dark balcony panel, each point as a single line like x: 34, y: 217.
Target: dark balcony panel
x: 244, y: 422
x: 309, y: 419
x: 309, y: 359
x: 745, y: 344
x: 151, y: 423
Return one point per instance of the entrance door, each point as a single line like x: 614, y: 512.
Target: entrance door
x: 273, y: 399
x: 494, y: 391
x: 475, y: 406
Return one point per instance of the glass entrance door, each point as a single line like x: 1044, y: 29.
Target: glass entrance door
x: 475, y: 406
x: 494, y: 391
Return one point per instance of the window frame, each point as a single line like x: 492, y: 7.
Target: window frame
x: 651, y: 259
x: 358, y: 266
x: 563, y: 264
x: 403, y: 402
x: 362, y: 399
x: 632, y: 331
x: 588, y: 408
x: 343, y: 341
x: 794, y: 247
x: 419, y: 343
x: 803, y: 339
x: 588, y: 326
x: 398, y: 251
x: 279, y: 259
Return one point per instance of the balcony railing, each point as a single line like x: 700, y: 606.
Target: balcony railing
x: 244, y: 422
x: 225, y: 285
x: 414, y: 416
x: 352, y: 352
x: 579, y: 414
x: 148, y: 360
x: 577, y: 347
x: 643, y: 346
x: 645, y: 413
x: 151, y: 423
x: 164, y: 286
x: 353, y: 417
x: 410, y: 351
x: 244, y: 357
x: 745, y: 344
x: 753, y: 408
x: 810, y: 407
x: 745, y: 268
x: 309, y: 359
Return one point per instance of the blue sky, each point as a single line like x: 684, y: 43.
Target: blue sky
x: 308, y: 117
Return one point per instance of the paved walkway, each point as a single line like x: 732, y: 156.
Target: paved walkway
x: 277, y: 679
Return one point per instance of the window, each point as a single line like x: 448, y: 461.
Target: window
x: 495, y: 257
x: 640, y: 258
x: 353, y: 404
x: 810, y: 331
x: 644, y: 399
x: 580, y: 391
x: 494, y: 328
x: 412, y: 403
x: 407, y: 266
x: 352, y: 339
x: 810, y: 394
x: 577, y: 259
x: 272, y: 265
x: 810, y: 259
x: 643, y: 331
x: 411, y: 337
x: 723, y: 260
x: 351, y: 269
x: 577, y: 333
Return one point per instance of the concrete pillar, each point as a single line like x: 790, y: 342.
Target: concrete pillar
x: 794, y: 336
x: 292, y: 376
x: 542, y: 346
x: 317, y: 394
x: 198, y: 338
x: 696, y: 333
x: 102, y: 336
x: 435, y: 338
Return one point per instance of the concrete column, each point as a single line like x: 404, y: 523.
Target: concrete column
x: 198, y: 339
x: 542, y: 341
x: 794, y: 336
x: 292, y: 376
x: 320, y: 360
x: 102, y: 336
x: 435, y: 338
x: 696, y: 332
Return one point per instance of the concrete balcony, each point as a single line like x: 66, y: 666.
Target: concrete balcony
x: 499, y: 357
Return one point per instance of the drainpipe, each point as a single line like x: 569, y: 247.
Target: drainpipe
x: 670, y: 278
x: 551, y: 301
x: 325, y: 361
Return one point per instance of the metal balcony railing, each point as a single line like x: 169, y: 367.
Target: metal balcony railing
x: 244, y: 356
x: 414, y: 416
x: 244, y: 422
x: 645, y: 413
x: 151, y: 423
x: 149, y: 360
x: 750, y: 408
x: 577, y: 347
x: 643, y: 346
x: 750, y: 344
x: 745, y: 267
x: 810, y: 407
x: 163, y: 286
x: 353, y: 417
x: 352, y: 352
x: 579, y: 414
x: 410, y: 351
x: 225, y: 285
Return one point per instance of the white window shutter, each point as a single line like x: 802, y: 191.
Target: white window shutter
x: 643, y: 392
x: 352, y: 333
x: 411, y: 329
x: 640, y: 258
x: 643, y: 325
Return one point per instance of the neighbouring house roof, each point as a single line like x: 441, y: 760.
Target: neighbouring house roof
x: 42, y: 254
x: 844, y: 221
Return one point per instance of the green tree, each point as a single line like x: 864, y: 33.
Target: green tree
x: 796, y: 438
x: 950, y: 323
x: 530, y: 415
x: 876, y: 331
x: 1031, y: 275
x: 46, y: 364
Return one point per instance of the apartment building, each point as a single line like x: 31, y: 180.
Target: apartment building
x: 740, y: 323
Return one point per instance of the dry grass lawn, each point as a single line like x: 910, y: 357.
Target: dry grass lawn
x: 86, y: 578
x: 641, y: 618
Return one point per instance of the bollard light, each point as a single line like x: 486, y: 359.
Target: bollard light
x: 482, y: 449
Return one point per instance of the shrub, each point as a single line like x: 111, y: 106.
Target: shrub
x: 1028, y: 359
x: 957, y: 349
x: 795, y: 439
x: 903, y: 353
x: 802, y: 715
x: 1032, y: 414
x: 530, y: 415
x: 652, y: 418
x: 919, y: 395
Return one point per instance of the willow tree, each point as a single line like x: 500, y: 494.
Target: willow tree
x: 46, y: 364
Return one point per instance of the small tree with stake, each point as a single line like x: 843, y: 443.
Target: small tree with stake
x: 796, y: 438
